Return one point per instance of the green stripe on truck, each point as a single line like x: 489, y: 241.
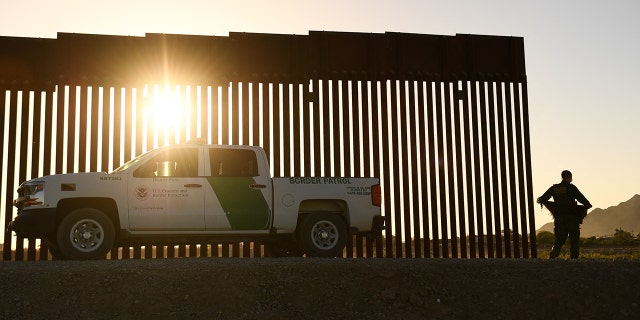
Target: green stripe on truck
x: 245, y: 208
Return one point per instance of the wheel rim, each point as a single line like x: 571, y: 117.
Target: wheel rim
x: 324, y: 235
x: 86, y: 235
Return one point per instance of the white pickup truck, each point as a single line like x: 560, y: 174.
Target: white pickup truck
x: 196, y: 192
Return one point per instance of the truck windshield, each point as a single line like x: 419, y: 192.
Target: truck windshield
x: 130, y: 163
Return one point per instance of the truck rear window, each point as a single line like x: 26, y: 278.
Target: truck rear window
x: 233, y: 163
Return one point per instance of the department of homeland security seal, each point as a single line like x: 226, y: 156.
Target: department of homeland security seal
x: 141, y: 193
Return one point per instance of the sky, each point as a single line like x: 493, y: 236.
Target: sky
x: 581, y: 59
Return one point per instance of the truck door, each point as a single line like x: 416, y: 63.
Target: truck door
x: 237, y: 198
x: 168, y: 192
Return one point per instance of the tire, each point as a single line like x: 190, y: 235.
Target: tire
x: 323, y: 235
x: 85, y: 234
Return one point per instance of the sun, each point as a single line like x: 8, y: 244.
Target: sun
x: 164, y: 110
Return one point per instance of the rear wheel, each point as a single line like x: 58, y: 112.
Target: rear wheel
x: 85, y: 234
x: 323, y: 234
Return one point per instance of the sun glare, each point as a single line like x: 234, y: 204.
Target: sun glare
x: 165, y: 112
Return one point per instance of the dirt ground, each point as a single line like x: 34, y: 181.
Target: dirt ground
x: 290, y: 288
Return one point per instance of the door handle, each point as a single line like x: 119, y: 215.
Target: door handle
x: 193, y: 185
x: 257, y: 186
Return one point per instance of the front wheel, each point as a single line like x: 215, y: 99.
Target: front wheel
x: 85, y: 234
x: 323, y: 235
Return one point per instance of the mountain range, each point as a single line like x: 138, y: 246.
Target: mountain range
x: 604, y: 222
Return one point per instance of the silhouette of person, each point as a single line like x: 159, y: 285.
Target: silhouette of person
x: 567, y: 214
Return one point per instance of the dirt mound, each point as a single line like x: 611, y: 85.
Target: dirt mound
x: 227, y: 288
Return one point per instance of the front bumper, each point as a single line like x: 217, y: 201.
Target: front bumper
x: 34, y: 223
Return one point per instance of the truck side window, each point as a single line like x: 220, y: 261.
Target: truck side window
x: 233, y: 162
x: 182, y: 162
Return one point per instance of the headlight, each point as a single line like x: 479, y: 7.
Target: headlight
x: 30, y: 194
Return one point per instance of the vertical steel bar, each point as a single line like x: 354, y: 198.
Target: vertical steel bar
x: 425, y: 199
x: 295, y: 150
x: 477, y: 158
x: 355, y: 121
x: 236, y: 104
x: 205, y: 100
x: 22, y: 155
x: 503, y: 169
x: 512, y: 179
x: 366, y: 129
x: 191, y: 92
x: 106, y: 110
x: 151, y: 93
x: 346, y: 128
x: 275, y: 162
x: 527, y: 157
x: 11, y: 113
x: 366, y: 146
x: 140, y: 123
x: 521, y: 171
x: 129, y: 116
x: 441, y: 169
x: 469, y: 111
x: 404, y: 139
x: 35, y: 159
x: 82, y: 132
x: 386, y: 156
x: 486, y: 167
x: 60, y: 128
x: 224, y: 106
x: 337, y: 155
x: 415, y: 177
x: 434, y: 161
x: 376, y: 131
x: 117, y: 126
x: 93, y: 152
x: 497, y: 239
x: 396, y: 169
x: 214, y: 116
x: 266, y: 124
x: 47, y: 126
x: 256, y: 125
x: 31, y: 250
x: 286, y: 130
x: 312, y: 102
x: 48, y: 133
x: 3, y: 116
x: 71, y: 128
x: 459, y: 102
x: 326, y: 127
x: 36, y: 142
x: 245, y: 123
x: 451, y: 188
x: 148, y: 251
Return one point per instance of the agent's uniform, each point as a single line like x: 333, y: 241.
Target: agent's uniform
x: 565, y: 215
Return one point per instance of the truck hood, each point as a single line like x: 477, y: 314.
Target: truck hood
x: 78, y: 177
x: 78, y: 181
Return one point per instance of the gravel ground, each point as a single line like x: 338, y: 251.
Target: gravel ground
x: 270, y: 288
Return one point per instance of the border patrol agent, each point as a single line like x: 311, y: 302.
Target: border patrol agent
x: 567, y: 214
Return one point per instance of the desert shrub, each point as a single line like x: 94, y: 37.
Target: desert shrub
x: 623, y: 238
x: 545, y: 237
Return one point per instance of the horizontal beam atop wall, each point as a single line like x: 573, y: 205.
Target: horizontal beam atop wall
x: 106, y: 60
